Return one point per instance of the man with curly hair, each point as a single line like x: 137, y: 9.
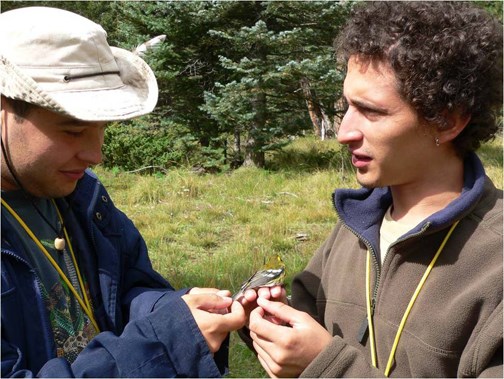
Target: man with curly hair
x: 409, y: 283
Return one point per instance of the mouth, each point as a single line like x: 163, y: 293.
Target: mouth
x: 73, y: 174
x: 360, y: 160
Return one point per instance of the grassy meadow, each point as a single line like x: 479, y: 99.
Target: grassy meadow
x: 214, y: 230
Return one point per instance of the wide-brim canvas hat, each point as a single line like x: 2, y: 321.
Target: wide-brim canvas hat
x: 61, y: 61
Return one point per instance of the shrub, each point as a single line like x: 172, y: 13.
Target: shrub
x: 142, y: 143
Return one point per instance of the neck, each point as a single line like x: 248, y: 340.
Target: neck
x: 413, y: 202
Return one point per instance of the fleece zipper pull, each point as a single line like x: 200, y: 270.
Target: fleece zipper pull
x: 363, y: 330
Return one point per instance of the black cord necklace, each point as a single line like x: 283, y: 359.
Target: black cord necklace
x: 59, y: 241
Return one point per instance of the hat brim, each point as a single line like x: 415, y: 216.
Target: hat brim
x: 136, y: 97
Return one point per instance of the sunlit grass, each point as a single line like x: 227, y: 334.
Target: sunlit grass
x: 214, y: 230
x: 491, y: 154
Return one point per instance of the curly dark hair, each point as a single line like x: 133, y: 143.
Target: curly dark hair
x: 446, y: 56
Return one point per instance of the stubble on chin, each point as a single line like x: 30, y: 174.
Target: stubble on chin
x: 367, y: 182
x: 52, y: 192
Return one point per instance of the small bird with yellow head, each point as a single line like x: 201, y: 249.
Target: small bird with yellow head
x: 272, y: 273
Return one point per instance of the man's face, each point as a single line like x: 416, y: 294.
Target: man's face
x: 49, y: 152
x: 384, y: 134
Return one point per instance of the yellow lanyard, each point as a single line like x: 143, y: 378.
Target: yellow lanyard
x: 408, y: 309
x: 84, y: 303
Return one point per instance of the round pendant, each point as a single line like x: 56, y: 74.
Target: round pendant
x: 59, y: 243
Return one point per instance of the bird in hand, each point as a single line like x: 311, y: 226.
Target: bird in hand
x: 272, y: 273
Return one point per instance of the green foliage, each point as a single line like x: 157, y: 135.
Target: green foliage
x: 156, y: 145
x: 133, y: 145
x: 267, y: 61
x: 310, y: 154
x: 185, y: 64
x: 493, y: 7
x: 234, y: 77
x: 229, y: 69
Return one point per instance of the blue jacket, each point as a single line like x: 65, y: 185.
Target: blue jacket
x: 147, y: 330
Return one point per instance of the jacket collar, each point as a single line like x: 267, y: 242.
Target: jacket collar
x: 362, y: 209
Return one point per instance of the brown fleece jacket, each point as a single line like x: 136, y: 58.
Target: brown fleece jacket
x: 455, y: 326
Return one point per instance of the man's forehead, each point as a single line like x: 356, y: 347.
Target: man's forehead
x: 63, y: 120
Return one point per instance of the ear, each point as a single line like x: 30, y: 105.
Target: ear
x: 4, y: 107
x: 455, y: 123
x: 2, y: 113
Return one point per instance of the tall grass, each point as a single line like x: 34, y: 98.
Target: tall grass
x: 215, y: 230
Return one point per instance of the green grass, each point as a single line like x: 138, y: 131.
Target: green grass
x: 214, y: 230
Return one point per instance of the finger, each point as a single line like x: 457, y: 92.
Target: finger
x: 221, y: 311
x: 255, y: 316
x: 274, y: 320
x: 280, y: 310
x: 224, y: 293
x: 234, y: 320
x: 262, y: 328
x: 262, y: 349
x: 263, y: 341
x: 250, y: 295
x: 257, y: 312
x: 242, y: 300
x: 265, y: 360
x: 237, y: 310
x: 207, y: 301
x: 264, y: 292
x: 199, y: 291
x: 279, y: 293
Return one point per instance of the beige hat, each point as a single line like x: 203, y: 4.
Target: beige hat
x: 61, y: 61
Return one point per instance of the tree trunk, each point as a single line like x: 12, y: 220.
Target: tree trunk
x: 305, y: 87
x: 237, y: 142
x: 253, y: 157
x: 339, y: 107
x: 320, y: 120
x: 236, y: 160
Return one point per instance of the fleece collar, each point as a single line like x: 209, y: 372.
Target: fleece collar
x: 363, y: 209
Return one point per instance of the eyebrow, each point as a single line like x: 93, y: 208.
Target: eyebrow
x: 366, y: 105
x: 79, y: 123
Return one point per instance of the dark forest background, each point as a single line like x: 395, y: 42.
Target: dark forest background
x: 237, y: 79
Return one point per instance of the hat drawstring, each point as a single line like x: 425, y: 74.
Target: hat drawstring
x: 59, y: 233
x: 67, y: 78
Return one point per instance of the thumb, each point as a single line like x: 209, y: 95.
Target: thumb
x: 279, y: 310
x: 236, y: 318
x: 207, y: 301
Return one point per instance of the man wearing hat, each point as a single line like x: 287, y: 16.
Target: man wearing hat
x: 79, y: 294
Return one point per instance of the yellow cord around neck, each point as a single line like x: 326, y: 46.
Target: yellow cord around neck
x: 84, y: 303
x: 390, y: 361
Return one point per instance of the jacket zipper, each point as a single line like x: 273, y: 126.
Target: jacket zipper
x: 90, y: 225
x: 362, y: 333
x: 363, y: 330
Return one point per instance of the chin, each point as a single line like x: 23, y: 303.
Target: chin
x: 371, y: 177
x: 367, y: 183
x: 66, y: 193
x: 60, y: 192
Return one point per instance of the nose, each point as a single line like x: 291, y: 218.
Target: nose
x: 91, y: 151
x: 348, y: 130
